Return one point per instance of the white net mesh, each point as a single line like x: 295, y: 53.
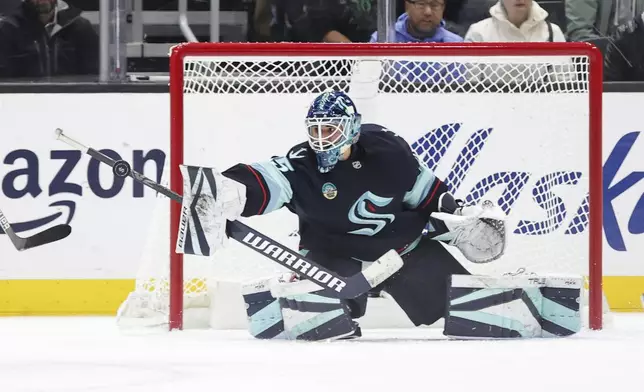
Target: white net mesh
x: 509, y: 74
x: 512, y: 129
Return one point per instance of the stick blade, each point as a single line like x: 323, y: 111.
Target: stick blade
x: 47, y: 236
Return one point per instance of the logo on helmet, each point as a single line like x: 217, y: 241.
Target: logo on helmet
x: 345, y: 106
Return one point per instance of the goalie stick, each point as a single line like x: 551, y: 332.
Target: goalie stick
x: 333, y: 284
x: 47, y: 236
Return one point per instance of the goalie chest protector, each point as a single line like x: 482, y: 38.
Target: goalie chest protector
x: 356, y: 210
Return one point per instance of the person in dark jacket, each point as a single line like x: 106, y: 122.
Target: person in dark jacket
x: 9, y: 7
x: 345, y: 21
x: 624, y: 59
x: 44, y: 38
x: 320, y: 20
x: 341, y: 20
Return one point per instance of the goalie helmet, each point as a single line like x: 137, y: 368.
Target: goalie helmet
x: 332, y: 125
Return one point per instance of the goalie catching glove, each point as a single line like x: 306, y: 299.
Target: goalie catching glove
x: 209, y: 201
x: 477, y: 231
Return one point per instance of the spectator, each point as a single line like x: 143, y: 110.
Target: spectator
x: 624, y: 60
x: 515, y: 21
x: 282, y: 20
x: 318, y: 20
x: 593, y: 19
x: 342, y: 20
x: 47, y: 38
x: 422, y: 22
x: 520, y: 21
x: 262, y: 20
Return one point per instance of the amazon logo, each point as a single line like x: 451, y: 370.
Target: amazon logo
x: 23, y: 176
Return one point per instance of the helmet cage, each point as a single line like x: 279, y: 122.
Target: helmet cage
x: 328, y: 133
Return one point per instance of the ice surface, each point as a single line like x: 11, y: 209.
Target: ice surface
x: 91, y: 354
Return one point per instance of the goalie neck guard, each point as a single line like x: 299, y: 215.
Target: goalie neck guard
x: 332, y: 125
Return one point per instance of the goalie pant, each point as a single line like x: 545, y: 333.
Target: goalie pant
x: 420, y: 288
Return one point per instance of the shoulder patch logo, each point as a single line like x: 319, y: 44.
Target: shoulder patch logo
x: 357, y: 164
x: 329, y: 190
x: 301, y: 153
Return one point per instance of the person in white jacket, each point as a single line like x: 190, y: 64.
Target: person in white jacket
x: 515, y: 21
x: 519, y: 21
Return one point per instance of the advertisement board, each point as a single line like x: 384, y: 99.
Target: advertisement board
x: 116, y: 222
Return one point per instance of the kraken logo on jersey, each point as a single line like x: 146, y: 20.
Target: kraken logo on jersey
x: 362, y: 212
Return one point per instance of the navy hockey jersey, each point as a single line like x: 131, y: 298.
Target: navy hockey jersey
x: 378, y: 199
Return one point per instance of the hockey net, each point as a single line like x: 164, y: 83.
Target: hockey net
x: 519, y: 124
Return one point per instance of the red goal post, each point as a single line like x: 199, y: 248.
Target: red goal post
x: 588, y: 81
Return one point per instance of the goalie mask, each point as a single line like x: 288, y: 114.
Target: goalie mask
x: 333, y: 125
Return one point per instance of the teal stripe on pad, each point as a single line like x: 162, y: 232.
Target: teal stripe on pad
x: 265, y: 318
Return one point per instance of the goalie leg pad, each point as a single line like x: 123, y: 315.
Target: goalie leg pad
x: 264, y: 313
x: 280, y: 308
x: 513, y: 307
x: 314, y: 317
